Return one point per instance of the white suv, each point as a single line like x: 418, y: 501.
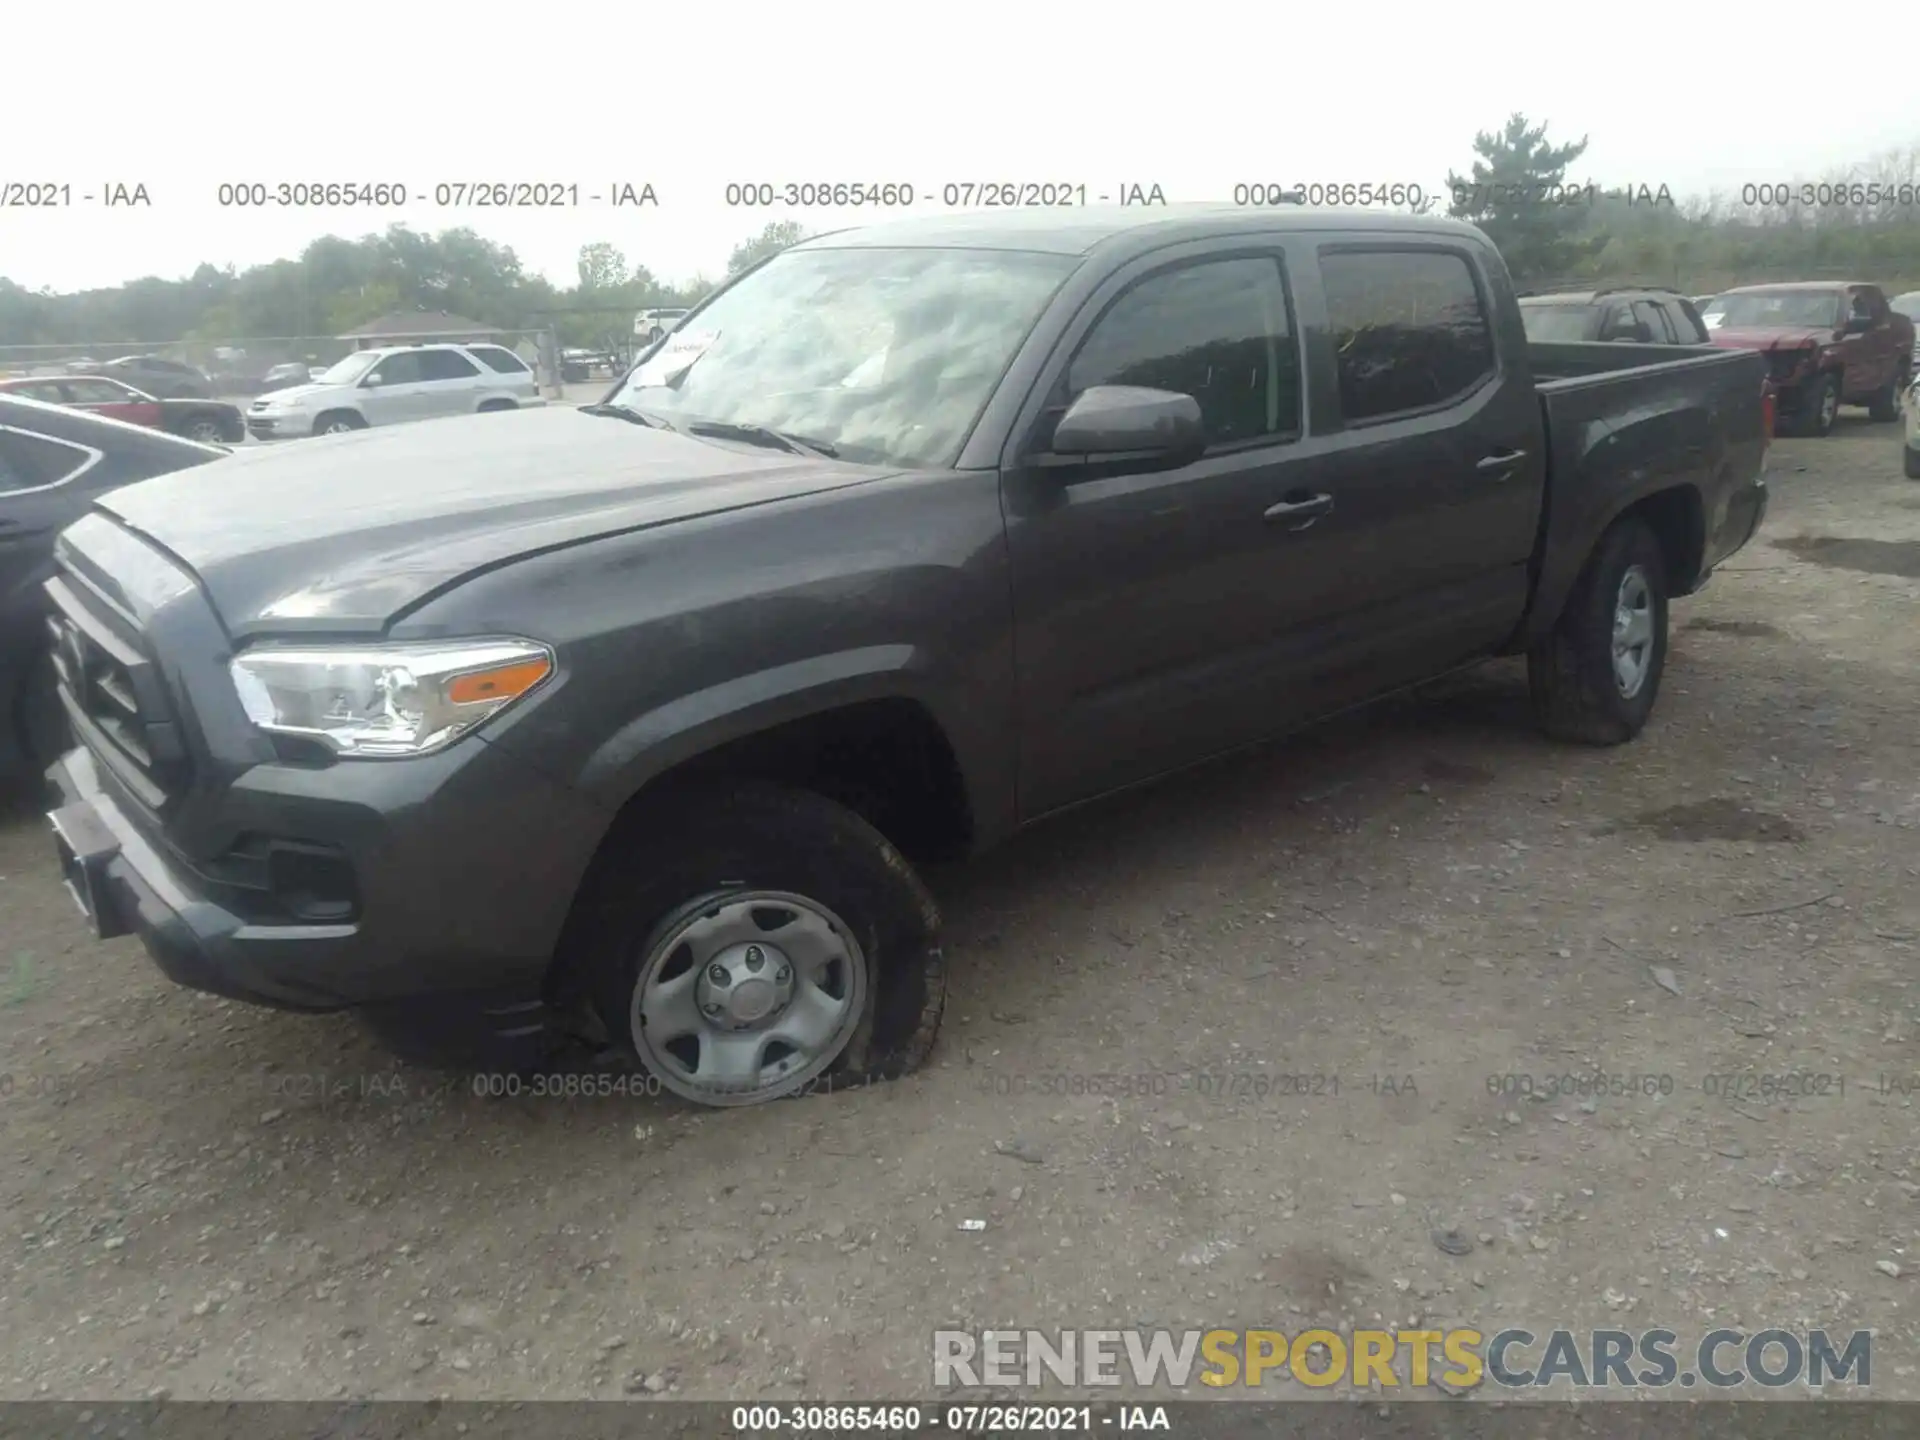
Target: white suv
x: 394, y: 385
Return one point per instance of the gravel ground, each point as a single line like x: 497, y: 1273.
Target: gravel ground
x: 219, y: 1201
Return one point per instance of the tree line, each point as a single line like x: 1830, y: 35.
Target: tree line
x: 338, y: 283
x: 1522, y: 189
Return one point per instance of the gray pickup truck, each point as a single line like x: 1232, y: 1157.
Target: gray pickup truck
x: 622, y: 723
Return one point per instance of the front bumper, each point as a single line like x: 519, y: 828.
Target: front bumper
x: 465, y: 865
x: 283, y: 426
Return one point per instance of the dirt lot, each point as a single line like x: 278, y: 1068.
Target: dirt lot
x: 224, y: 1202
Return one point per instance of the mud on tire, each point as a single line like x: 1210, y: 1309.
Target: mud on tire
x: 738, y: 837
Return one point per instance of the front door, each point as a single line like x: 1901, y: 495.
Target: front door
x: 1872, y: 357
x: 394, y: 391
x: 1146, y: 604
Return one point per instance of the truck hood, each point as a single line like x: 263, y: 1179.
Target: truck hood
x: 341, y: 533
x: 1752, y: 339
x: 292, y: 395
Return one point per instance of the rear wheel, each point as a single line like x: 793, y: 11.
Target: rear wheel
x: 493, y: 407
x: 1885, y: 405
x: 1595, y: 678
x: 207, y: 432
x: 1912, y: 458
x: 338, y: 422
x: 747, y: 942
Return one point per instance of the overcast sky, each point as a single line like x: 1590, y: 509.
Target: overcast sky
x: 1195, y: 98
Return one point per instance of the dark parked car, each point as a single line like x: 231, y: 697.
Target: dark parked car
x: 53, y: 464
x: 212, y: 422
x: 1639, y: 317
x: 155, y: 374
x: 629, y: 716
x: 1828, y: 343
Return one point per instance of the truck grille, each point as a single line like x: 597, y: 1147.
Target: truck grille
x: 112, y: 692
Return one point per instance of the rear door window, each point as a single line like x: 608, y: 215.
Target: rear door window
x: 446, y: 365
x: 1409, y: 330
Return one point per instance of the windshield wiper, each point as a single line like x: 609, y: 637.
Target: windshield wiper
x: 763, y: 435
x: 629, y: 414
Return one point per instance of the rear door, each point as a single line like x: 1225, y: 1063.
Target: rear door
x: 451, y: 383
x: 109, y: 397
x: 1431, y: 454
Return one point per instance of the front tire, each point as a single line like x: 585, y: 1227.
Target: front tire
x: 338, y: 422
x: 1911, y: 457
x: 1822, y: 408
x: 207, y: 432
x: 1594, y: 680
x: 745, y: 942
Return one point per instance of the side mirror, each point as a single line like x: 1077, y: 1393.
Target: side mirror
x: 373, y: 382
x: 1131, y: 425
x: 1857, y: 325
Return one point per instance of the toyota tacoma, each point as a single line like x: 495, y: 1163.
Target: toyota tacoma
x: 630, y: 722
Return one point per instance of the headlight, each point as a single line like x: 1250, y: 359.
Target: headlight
x: 386, y: 701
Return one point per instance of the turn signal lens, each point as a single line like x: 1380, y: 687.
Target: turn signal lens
x: 503, y: 682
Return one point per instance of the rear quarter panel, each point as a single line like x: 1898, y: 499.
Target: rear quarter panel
x: 1686, y: 419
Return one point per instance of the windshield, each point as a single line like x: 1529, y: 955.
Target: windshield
x: 1556, y: 322
x: 1777, y: 310
x: 345, y: 372
x: 889, y: 356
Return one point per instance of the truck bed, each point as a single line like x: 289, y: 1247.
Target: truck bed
x: 1628, y: 420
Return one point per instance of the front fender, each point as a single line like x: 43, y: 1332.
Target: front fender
x: 683, y: 729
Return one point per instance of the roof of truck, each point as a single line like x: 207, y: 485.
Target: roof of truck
x: 1077, y: 230
x: 1797, y: 285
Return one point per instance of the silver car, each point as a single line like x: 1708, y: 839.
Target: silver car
x: 396, y: 384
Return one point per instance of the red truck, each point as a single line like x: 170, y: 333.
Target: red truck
x: 1828, y: 343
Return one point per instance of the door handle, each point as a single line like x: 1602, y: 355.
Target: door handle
x: 1299, y: 511
x: 1501, y: 462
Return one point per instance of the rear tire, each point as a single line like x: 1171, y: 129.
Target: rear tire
x: 1885, y: 404
x: 1911, y: 457
x: 720, y: 858
x: 1582, y: 686
x: 338, y: 422
x: 494, y: 407
x: 207, y: 432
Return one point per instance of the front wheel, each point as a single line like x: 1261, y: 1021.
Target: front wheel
x: 1822, y: 407
x: 207, y: 432
x: 1595, y: 678
x: 746, y: 942
x: 338, y: 422
x: 1911, y: 457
